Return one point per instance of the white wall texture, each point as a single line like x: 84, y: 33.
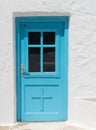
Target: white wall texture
x: 82, y: 56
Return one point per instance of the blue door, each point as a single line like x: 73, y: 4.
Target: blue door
x: 43, y: 78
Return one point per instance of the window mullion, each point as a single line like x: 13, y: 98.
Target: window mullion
x: 41, y: 40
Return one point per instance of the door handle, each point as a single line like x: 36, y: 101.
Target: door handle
x: 22, y: 70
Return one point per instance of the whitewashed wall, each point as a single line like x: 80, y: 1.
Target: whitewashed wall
x: 82, y: 55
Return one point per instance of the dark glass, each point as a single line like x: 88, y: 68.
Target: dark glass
x: 48, y: 59
x: 49, y: 38
x: 34, y: 59
x: 34, y: 37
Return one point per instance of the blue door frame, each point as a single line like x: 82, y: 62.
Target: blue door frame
x: 64, y: 48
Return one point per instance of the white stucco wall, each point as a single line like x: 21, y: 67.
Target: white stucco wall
x: 82, y: 56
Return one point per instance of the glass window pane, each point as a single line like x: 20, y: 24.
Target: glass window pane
x: 34, y: 37
x: 34, y: 59
x: 48, y: 59
x: 49, y: 38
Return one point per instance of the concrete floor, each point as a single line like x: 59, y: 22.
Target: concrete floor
x: 41, y: 126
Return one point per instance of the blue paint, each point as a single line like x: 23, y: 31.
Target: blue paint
x: 18, y: 81
x: 42, y: 96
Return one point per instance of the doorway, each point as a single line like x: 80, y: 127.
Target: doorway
x: 42, y: 68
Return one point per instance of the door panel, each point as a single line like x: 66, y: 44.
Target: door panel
x: 43, y: 85
x: 41, y: 99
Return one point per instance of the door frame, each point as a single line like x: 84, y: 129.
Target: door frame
x: 18, y: 21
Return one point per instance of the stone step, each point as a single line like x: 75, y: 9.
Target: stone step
x: 41, y: 126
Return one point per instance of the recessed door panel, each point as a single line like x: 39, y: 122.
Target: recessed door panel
x: 44, y: 98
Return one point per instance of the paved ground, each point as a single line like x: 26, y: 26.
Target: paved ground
x: 41, y: 126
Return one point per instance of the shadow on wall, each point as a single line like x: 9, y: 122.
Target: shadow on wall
x: 39, y: 13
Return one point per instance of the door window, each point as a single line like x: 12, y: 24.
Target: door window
x: 34, y: 59
x: 34, y: 38
x: 49, y: 59
x: 48, y: 38
x: 41, y: 51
